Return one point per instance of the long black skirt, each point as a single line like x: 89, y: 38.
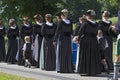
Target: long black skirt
x: 12, y: 50
x: 2, y: 49
x: 49, y: 55
x: 64, y: 55
x: 89, y: 58
x: 109, y: 52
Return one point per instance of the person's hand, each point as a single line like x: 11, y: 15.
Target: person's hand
x: 113, y: 27
x: 54, y: 43
x: 75, y: 39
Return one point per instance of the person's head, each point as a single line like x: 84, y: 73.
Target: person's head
x: 58, y: 16
x: 38, y: 18
x: 64, y: 13
x: 27, y: 38
x: 81, y: 19
x: 100, y: 33
x: 25, y: 19
x: 90, y: 14
x: 12, y: 22
x: 105, y: 14
x: 48, y: 17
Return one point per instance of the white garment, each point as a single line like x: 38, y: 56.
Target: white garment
x: 39, y: 23
x: 24, y: 46
x: 66, y: 21
x: 77, y: 60
x: 27, y: 25
x: 1, y: 27
x: 106, y: 43
x: 35, y: 48
x: 118, y: 37
x: 49, y: 23
x: 13, y: 27
x: 106, y: 21
x: 91, y: 21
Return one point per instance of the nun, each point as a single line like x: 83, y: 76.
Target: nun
x: 48, y: 32
x: 2, y: 42
x: 26, y: 29
x: 104, y: 25
x: 89, y: 57
x: 37, y: 38
x: 63, y: 41
x: 12, y: 34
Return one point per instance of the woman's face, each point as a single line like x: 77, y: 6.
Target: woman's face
x: 25, y: 22
x: 48, y: 19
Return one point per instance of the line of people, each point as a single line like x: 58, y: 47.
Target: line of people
x: 47, y: 45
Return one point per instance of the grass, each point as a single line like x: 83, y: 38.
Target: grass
x: 114, y: 20
x: 114, y: 50
x: 4, y: 76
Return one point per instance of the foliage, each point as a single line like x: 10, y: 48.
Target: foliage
x: 19, y: 8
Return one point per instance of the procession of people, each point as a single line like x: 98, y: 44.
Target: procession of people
x: 48, y: 45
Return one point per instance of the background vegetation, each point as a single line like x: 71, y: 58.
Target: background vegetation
x: 19, y: 8
x: 4, y: 76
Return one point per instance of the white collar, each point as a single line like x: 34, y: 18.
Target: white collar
x: 27, y: 25
x: 13, y: 27
x: 1, y: 27
x: 27, y: 42
x: 66, y: 21
x: 106, y: 21
x: 49, y: 23
x: 98, y: 37
x: 91, y: 21
x: 39, y: 23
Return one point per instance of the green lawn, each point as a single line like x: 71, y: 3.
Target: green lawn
x: 4, y: 76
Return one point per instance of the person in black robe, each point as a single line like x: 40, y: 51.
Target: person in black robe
x: 89, y: 57
x: 63, y: 41
x: 37, y: 35
x: 12, y: 34
x: 48, y: 32
x: 26, y: 30
x: 104, y: 25
x: 2, y: 42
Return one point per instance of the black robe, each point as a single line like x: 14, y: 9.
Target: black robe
x: 2, y: 44
x: 24, y: 31
x: 48, y: 33
x: 64, y: 53
x: 12, y: 35
x: 89, y: 57
x: 37, y: 31
x: 105, y: 27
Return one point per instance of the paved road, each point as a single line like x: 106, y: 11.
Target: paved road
x: 38, y: 74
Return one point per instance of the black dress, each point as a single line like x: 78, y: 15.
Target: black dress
x: 89, y: 58
x: 48, y: 33
x: 105, y: 29
x: 64, y: 45
x: 24, y: 31
x: 37, y: 31
x: 2, y: 44
x: 12, y: 35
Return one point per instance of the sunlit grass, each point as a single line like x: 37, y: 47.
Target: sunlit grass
x: 4, y: 76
